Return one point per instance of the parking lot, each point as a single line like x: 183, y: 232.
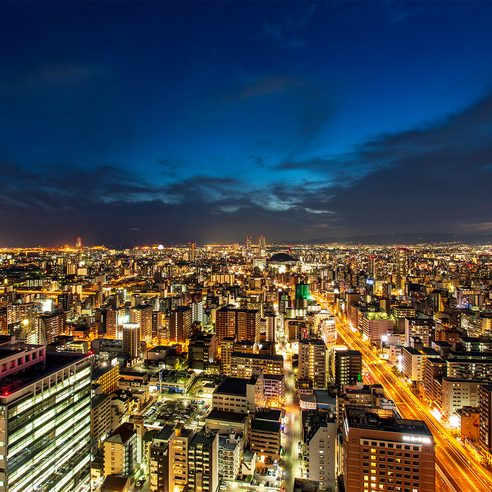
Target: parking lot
x: 186, y: 411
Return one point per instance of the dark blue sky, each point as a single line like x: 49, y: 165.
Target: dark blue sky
x: 208, y: 121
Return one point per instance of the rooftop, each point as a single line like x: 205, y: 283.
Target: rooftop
x: 376, y: 418
x: 232, y: 386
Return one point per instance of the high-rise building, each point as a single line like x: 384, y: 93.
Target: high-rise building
x: 191, y: 251
x: 312, y: 362
x: 248, y: 325
x: 485, y: 407
x: 131, y: 340
x: 203, y: 461
x: 348, y: 367
x: 160, y: 460
x: 320, y: 436
x: 225, y: 323
x: 78, y: 243
x: 262, y: 245
x: 226, y: 350
x: 386, y: 453
x: 45, y: 420
x: 372, y: 268
x: 142, y: 314
x: 180, y: 324
x: 50, y: 326
x: 401, y: 267
x: 248, y: 245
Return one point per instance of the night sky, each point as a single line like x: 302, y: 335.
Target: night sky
x: 210, y: 121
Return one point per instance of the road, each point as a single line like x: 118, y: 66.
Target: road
x: 292, y: 434
x: 456, y: 469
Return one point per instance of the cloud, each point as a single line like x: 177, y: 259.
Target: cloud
x: 287, y: 33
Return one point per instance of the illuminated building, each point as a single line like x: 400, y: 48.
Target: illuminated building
x: 242, y: 324
x: 262, y: 245
x: 485, y: 408
x: 202, y: 349
x: 248, y: 325
x: 401, y: 267
x: 434, y: 371
x: 243, y: 365
x: 78, y: 243
x: 458, y: 393
x: 413, y: 362
x: 320, y: 436
x: 469, y: 423
x: 375, y: 326
x: 203, y: 462
x: 265, y: 434
x: 50, y: 326
x: 237, y: 395
x: 312, y: 362
x: 386, y: 453
x: 248, y: 245
x: 180, y: 324
x: 274, y: 386
x: 191, y: 251
x: 44, y: 420
x: 142, y: 314
x: 226, y: 350
x: 421, y: 328
x: 230, y: 451
x: 107, y: 377
x: 120, y: 451
x: 348, y: 367
x: 131, y: 340
x: 100, y: 419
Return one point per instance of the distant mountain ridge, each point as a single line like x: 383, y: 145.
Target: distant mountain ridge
x: 410, y: 239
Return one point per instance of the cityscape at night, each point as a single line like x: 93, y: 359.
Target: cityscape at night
x: 246, y: 246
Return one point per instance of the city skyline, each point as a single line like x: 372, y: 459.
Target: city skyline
x: 146, y: 122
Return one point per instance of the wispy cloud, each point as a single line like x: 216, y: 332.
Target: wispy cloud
x: 288, y: 34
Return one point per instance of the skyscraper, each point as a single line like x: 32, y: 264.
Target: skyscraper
x: 248, y: 245
x: 131, y: 340
x: 180, y: 324
x: 44, y: 421
x: 312, y: 362
x: 142, y: 314
x: 262, y: 245
x: 401, y: 267
x: 191, y: 251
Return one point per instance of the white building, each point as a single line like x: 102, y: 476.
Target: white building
x: 458, y: 393
x: 320, y: 433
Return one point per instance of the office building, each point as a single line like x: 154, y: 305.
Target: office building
x: 45, y: 420
x: 386, y: 453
